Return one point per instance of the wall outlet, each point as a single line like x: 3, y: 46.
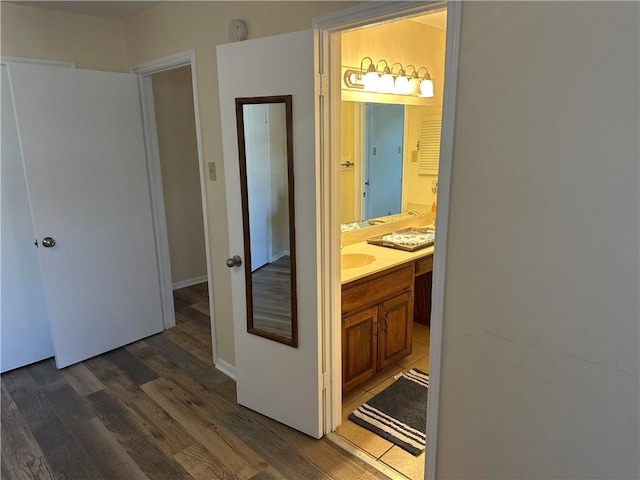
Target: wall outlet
x: 212, y: 171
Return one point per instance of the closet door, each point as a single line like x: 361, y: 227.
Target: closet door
x: 25, y: 327
x: 83, y: 151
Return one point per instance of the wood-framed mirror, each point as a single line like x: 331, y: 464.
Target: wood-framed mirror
x: 265, y: 148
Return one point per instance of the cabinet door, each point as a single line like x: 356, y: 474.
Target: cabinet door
x: 359, y: 347
x: 396, y: 326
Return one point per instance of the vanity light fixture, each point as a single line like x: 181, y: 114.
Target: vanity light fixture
x: 387, y: 81
x: 371, y: 78
x: 426, y: 84
x: 401, y: 85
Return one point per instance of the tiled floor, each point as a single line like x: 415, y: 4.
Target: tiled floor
x: 379, y: 448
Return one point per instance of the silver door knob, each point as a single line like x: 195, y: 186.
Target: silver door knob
x: 234, y: 261
x: 48, y: 242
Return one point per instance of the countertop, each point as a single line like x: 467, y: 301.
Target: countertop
x: 385, y: 257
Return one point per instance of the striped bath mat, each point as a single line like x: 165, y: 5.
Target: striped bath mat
x: 399, y: 412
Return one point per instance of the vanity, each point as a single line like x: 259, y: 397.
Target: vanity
x: 383, y: 291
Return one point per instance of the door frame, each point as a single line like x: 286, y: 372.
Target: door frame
x: 328, y: 28
x: 145, y: 71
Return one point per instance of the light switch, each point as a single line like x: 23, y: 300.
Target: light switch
x: 414, y: 156
x: 212, y: 171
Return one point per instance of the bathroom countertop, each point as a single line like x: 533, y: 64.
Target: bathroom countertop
x: 385, y: 257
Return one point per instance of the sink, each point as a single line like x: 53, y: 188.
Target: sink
x: 354, y: 260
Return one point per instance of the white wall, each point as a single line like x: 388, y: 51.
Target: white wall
x: 176, y: 127
x: 541, y: 324
x: 25, y: 337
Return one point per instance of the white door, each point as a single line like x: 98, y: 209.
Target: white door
x: 25, y: 327
x: 84, y: 157
x: 277, y: 380
x: 259, y: 184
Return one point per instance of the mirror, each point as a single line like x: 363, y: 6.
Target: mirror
x: 389, y: 162
x: 265, y: 147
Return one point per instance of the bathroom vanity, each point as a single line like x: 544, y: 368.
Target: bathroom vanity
x: 383, y: 289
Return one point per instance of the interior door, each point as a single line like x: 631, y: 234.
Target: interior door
x: 26, y: 337
x: 277, y: 380
x: 384, y: 136
x: 83, y: 151
x: 259, y: 185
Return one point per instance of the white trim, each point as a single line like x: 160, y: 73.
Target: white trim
x: 160, y: 65
x: 154, y: 172
x: 328, y: 28
x: 365, y: 457
x: 189, y: 282
x: 277, y: 256
x: 452, y: 55
x: 169, y: 62
x: 226, y: 368
x: 373, y: 12
x: 4, y: 59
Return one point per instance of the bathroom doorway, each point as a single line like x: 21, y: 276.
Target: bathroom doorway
x: 332, y: 38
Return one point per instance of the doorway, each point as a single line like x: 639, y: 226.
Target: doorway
x: 172, y: 133
x: 383, y: 133
x: 330, y: 42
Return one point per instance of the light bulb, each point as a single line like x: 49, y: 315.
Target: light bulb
x: 426, y: 88
x: 401, y: 86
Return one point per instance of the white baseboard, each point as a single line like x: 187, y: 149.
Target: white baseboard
x: 226, y: 368
x: 278, y: 256
x: 189, y: 282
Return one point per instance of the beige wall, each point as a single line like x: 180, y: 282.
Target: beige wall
x: 541, y: 326
x: 173, y: 27
x: 92, y: 42
x: 175, y: 120
x: 404, y: 41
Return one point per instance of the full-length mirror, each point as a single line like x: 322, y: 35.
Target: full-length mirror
x: 265, y: 147
x: 389, y: 161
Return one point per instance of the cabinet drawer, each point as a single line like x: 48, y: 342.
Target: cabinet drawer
x: 424, y: 265
x: 373, y: 290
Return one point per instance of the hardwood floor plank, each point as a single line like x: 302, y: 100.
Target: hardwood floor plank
x: 67, y: 404
x: 270, y: 446
x: 269, y: 473
x: 109, y: 457
x: 19, y: 448
x: 63, y: 452
x: 332, y: 460
x: 44, y: 372
x: 81, y: 379
x: 170, y: 371
x: 39, y: 469
x: 198, y: 369
x: 130, y: 433
x: 160, y: 427
x: 19, y: 382
x: 189, y: 344
x: 200, y: 333
x: 137, y: 371
x: 198, y: 462
x: 231, y: 458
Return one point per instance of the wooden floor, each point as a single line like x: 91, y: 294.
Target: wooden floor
x: 155, y: 409
x: 271, y: 285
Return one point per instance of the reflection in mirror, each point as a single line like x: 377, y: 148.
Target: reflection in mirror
x: 389, y: 162
x: 265, y: 147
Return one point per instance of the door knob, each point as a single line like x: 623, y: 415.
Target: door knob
x: 48, y: 242
x: 234, y: 261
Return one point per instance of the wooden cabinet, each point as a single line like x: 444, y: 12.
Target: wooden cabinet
x: 377, y: 323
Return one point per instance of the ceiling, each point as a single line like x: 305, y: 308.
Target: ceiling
x: 114, y: 9
x: 436, y: 20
